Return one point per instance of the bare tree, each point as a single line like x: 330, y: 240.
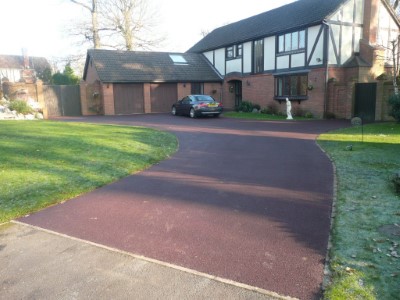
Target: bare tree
x: 91, y: 32
x: 120, y: 24
x: 128, y: 24
x: 395, y: 5
x: 204, y: 32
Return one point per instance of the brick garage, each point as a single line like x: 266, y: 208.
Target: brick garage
x: 128, y: 82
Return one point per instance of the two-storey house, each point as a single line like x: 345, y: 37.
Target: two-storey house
x: 296, y: 50
x: 326, y: 57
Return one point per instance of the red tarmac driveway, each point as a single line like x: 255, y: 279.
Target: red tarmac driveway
x: 244, y: 200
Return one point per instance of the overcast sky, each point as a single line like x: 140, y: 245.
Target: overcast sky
x: 39, y: 25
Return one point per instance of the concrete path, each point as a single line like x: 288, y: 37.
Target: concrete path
x: 37, y: 264
x: 243, y: 200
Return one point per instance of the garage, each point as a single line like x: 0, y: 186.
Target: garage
x: 128, y: 99
x: 163, y: 95
x: 136, y: 82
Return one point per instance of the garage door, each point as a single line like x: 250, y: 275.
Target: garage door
x: 163, y: 95
x: 128, y: 99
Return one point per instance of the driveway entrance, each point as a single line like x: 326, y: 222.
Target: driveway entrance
x: 249, y: 201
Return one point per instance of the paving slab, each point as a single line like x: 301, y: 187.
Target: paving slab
x: 38, y: 264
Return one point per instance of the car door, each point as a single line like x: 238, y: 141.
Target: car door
x: 184, y: 106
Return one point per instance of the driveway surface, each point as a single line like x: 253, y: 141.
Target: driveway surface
x: 249, y: 201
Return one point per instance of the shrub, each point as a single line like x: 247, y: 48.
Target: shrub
x: 396, y: 181
x: 245, y: 106
x: 271, y: 109
x: 257, y: 106
x: 394, y: 101
x: 308, y: 115
x: 330, y: 115
x: 20, y: 106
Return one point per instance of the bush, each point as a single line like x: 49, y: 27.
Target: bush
x: 20, y: 106
x: 394, y: 101
x: 329, y: 115
x: 308, y: 115
x: 396, y: 181
x: 245, y: 106
x: 272, y: 109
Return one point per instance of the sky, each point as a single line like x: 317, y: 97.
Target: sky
x: 40, y: 25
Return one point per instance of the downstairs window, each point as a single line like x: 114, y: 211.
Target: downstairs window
x: 291, y: 86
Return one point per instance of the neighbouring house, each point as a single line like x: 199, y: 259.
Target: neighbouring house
x: 22, y: 68
x: 328, y: 57
x: 128, y: 82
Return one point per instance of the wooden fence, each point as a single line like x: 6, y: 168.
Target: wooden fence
x: 62, y: 100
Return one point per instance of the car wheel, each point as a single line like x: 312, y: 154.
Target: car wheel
x: 192, y: 113
x: 173, y: 110
x: 216, y: 116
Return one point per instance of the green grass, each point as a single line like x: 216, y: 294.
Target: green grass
x: 362, y: 263
x: 258, y: 116
x: 44, y: 162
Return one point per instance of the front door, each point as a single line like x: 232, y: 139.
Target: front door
x: 237, y: 88
x: 365, y: 101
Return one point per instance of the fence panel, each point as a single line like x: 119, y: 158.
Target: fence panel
x: 62, y: 100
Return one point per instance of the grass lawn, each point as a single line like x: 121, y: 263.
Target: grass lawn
x: 44, y: 162
x: 365, y: 253
x: 254, y: 116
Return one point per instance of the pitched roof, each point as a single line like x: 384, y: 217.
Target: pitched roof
x: 295, y: 15
x: 39, y: 64
x: 139, y: 66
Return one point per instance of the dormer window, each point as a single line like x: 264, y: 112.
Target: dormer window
x: 292, y: 41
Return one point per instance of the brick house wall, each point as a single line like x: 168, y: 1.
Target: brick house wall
x: 108, y: 98
x: 260, y: 89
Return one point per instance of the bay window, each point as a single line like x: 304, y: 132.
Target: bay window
x: 291, y: 86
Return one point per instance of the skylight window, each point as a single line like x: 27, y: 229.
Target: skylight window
x: 178, y: 59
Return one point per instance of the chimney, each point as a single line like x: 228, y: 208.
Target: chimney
x: 371, y: 18
x: 26, y: 58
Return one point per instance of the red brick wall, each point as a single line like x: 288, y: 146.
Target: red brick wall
x: 370, y: 21
x: 260, y: 89
x: 108, y: 98
x: 184, y: 89
x: 213, y: 89
x: 340, y: 100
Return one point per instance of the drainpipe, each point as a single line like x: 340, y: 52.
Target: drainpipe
x: 326, y: 59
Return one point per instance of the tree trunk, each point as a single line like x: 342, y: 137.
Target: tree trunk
x: 95, y: 26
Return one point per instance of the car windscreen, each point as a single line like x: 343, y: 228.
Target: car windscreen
x: 204, y: 98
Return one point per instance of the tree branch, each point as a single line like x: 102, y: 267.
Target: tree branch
x: 82, y: 4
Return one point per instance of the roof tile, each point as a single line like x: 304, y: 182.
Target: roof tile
x: 295, y: 15
x: 140, y: 66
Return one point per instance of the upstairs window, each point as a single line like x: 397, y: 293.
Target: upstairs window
x: 239, y: 50
x: 292, y: 41
x: 229, y: 52
x: 258, y: 56
x: 234, y: 51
